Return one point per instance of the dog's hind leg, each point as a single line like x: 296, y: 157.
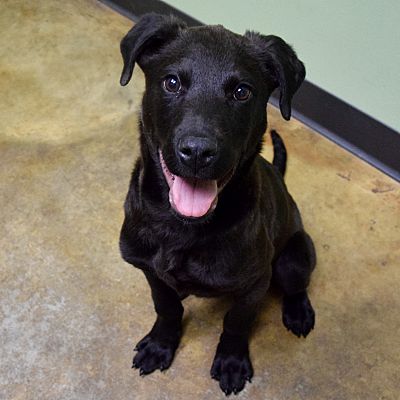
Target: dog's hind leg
x: 292, y: 271
x: 156, y: 350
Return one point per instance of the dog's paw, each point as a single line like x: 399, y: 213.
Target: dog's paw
x: 152, y: 354
x: 232, y: 370
x: 297, y: 314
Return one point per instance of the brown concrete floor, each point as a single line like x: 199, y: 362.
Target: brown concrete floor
x: 71, y: 310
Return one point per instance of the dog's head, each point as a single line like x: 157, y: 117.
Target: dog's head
x: 204, y: 107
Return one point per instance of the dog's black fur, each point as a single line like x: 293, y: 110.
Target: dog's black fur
x: 255, y: 233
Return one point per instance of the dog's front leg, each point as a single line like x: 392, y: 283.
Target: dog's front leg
x: 232, y: 366
x: 156, y: 350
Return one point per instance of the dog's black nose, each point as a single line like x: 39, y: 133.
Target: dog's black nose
x: 197, y: 152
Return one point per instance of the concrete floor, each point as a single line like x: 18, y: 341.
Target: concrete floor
x: 71, y: 310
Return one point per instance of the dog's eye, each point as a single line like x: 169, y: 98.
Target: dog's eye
x: 242, y: 93
x: 172, y: 84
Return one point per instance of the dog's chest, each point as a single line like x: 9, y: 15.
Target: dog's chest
x: 194, y: 272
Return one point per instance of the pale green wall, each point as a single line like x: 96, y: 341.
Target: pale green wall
x: 351, y: 48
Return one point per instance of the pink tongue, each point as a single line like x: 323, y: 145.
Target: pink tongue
x: 193, y: 197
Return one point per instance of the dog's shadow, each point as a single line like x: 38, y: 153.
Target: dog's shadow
x: 204, y: 316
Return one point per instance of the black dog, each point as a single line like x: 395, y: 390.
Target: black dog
x: 205, y: 213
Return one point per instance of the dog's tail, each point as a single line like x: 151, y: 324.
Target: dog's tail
x: 279, y: 160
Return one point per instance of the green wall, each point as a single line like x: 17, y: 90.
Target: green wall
x: 351, y: 48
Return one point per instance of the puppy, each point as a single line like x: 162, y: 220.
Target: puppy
x: 205, y: 213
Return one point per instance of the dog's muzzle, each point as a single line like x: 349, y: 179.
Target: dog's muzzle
x: 193, y: 197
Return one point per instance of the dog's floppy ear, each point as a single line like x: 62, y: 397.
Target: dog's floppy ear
x: 287, y: 70
x: 150, y: 33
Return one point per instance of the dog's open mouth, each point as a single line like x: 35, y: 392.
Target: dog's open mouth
x: 193, y: 197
